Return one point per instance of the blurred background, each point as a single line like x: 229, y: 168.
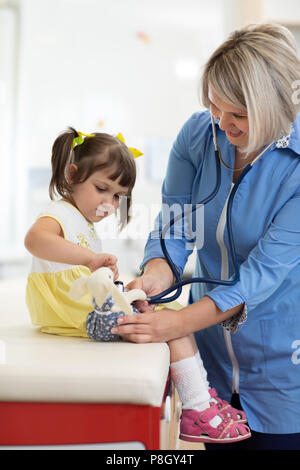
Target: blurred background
x: 129, y: 66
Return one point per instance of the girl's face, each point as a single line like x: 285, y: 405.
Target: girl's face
x: 233, y: 121
x: 98, y: 196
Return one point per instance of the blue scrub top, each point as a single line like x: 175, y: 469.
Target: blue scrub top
x: 259, y: 357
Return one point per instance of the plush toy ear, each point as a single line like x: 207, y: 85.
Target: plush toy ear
x: 79, y: 288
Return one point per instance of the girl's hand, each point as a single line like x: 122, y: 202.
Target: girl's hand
x: 151, y: 327
x: 104, y: 259
x: 150, y: 285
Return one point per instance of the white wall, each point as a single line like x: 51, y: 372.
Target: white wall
x: 82, y: 63
x: 285, y: 12
x: 8, y: 118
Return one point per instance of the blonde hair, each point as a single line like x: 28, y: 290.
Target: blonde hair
x: 254, y: 70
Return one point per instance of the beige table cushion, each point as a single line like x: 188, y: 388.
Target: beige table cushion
x: 38, y: 367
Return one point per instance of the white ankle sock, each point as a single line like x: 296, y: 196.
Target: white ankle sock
x: 202, y: 369
x: 204, y: 375
x: 191, y: 388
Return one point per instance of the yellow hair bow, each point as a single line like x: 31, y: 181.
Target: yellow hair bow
x: 135, y: 152
x: 80, y: 138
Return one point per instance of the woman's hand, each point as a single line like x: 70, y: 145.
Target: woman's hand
x: 150, y: 285
x: 151, y: 326
x: 104, y: 260
x: 157, y: 277
x: 164, y: 325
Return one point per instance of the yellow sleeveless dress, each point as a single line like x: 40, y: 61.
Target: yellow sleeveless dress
x: 48, y: 284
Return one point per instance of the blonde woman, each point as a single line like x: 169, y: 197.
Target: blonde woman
x: 248, y: 333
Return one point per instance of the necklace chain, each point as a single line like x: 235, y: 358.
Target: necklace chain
x: 252, y: 161
x: 229, y: 167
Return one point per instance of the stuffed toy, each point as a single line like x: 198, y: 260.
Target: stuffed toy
x: 108, y: 300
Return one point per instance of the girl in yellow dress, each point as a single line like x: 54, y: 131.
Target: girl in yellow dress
x: 94, y: 176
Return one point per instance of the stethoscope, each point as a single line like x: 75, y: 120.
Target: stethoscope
x: 160, y: 298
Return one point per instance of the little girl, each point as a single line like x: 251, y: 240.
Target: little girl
x: 91, y: 174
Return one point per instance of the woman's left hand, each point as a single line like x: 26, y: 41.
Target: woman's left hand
x: 151, y: 327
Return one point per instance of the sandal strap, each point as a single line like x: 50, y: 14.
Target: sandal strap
x: 224, y: 406
x: 226, y: 429
x: 213, y: 393
x: 208, y: 414
x: 234, y: 429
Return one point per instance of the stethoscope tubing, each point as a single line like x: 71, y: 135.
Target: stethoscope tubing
x: 160, y: 298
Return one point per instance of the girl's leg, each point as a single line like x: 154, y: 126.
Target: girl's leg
x: 188, y: 374
x: 183, y: 348
x: 200, y: 422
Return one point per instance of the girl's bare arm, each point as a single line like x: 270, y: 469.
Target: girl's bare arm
x: 45, y: 240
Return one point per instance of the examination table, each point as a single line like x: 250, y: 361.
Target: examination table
x: 64, y: 392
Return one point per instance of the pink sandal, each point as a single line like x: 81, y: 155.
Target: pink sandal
x: 195, y: 427
x: 224, y: 407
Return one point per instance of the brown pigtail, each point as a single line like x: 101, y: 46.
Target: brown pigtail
x: 62, y: 153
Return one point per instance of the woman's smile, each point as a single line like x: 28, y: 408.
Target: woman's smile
x: 234, y: 134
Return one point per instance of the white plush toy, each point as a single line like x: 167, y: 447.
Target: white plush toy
x: 101, y: 285
x: 109, y: 302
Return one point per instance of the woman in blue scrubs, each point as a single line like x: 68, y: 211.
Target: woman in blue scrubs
x: 248, y: 334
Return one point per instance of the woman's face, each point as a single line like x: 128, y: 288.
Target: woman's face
x: 233, y: 121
